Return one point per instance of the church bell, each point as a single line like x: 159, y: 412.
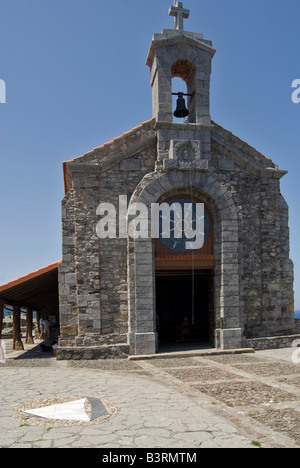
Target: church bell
x: 181, y: 110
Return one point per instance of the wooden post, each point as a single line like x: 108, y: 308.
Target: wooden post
x: 1, y: 319
x: 29, y: 326
x: 17, y: 337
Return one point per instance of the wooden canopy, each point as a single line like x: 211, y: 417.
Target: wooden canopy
x: 37, y: 291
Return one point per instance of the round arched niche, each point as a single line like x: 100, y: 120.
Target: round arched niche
x: 141, y: 260
x: 183, y: 69
x: 186, y: 70
x: 169, y: 255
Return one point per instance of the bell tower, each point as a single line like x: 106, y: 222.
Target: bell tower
x: 179, y: 53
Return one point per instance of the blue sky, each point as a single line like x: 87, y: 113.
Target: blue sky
x: 76, y: 77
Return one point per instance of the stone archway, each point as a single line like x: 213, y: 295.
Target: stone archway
x: 141, y: 270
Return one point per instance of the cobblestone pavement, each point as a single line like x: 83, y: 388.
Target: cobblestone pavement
x: 243, y: 400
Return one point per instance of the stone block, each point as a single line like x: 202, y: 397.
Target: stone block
x: 70, y: 278
x: 226, y: 165
x: 130, y: 165
x: 231, y: 338
x: 144, y: 343
x: 68, y: 330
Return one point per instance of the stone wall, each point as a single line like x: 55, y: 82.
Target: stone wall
x: 267, y: 272
x: 107, y: 286
x: 273, y: 342
x: 93, y: 274
x: 106, y: 299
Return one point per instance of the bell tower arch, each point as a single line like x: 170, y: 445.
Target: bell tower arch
x: 179, y: 53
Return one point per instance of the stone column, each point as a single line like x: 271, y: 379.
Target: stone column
x: 230, y: 333
x: 142, y: 334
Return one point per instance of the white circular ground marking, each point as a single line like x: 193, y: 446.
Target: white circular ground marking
x: 66, y: 411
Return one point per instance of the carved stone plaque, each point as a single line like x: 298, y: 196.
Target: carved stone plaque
x: 185, y: 155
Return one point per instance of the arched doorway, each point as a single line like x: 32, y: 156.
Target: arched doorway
x: 184, y: 279
x: 228, y: 303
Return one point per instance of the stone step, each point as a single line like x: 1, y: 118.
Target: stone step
x: 193, y: 353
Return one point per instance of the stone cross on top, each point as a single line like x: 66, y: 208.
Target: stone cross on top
x: 179, y: 13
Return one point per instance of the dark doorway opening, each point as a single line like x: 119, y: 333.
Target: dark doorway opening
x: 184, y: 307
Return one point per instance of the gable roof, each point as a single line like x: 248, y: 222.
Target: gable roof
x: 173, y: 37
x: 124, y: 146
x: 245, y: 155
x: 130, y: 143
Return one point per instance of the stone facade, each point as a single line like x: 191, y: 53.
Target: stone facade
x: 107, y: 286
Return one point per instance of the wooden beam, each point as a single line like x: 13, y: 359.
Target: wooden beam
x: 17, y: 337
x: 3, y: 301
x: 8, y: 302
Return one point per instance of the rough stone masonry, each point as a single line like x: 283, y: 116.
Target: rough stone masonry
x: 107, y: 286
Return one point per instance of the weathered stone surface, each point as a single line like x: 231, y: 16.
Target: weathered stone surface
x: 107, y: 285
x: 273, y: 342
x: 92, y: 353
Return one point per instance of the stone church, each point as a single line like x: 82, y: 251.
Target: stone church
x: 133, y: 295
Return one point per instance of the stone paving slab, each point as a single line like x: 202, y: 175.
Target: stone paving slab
x: 194, y: 402
x: 269, y: 370
x: 245, y: 393
x: 175, y: 362
x: 152, y: 414
x: 202, y: 374
x: 288, y: 420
